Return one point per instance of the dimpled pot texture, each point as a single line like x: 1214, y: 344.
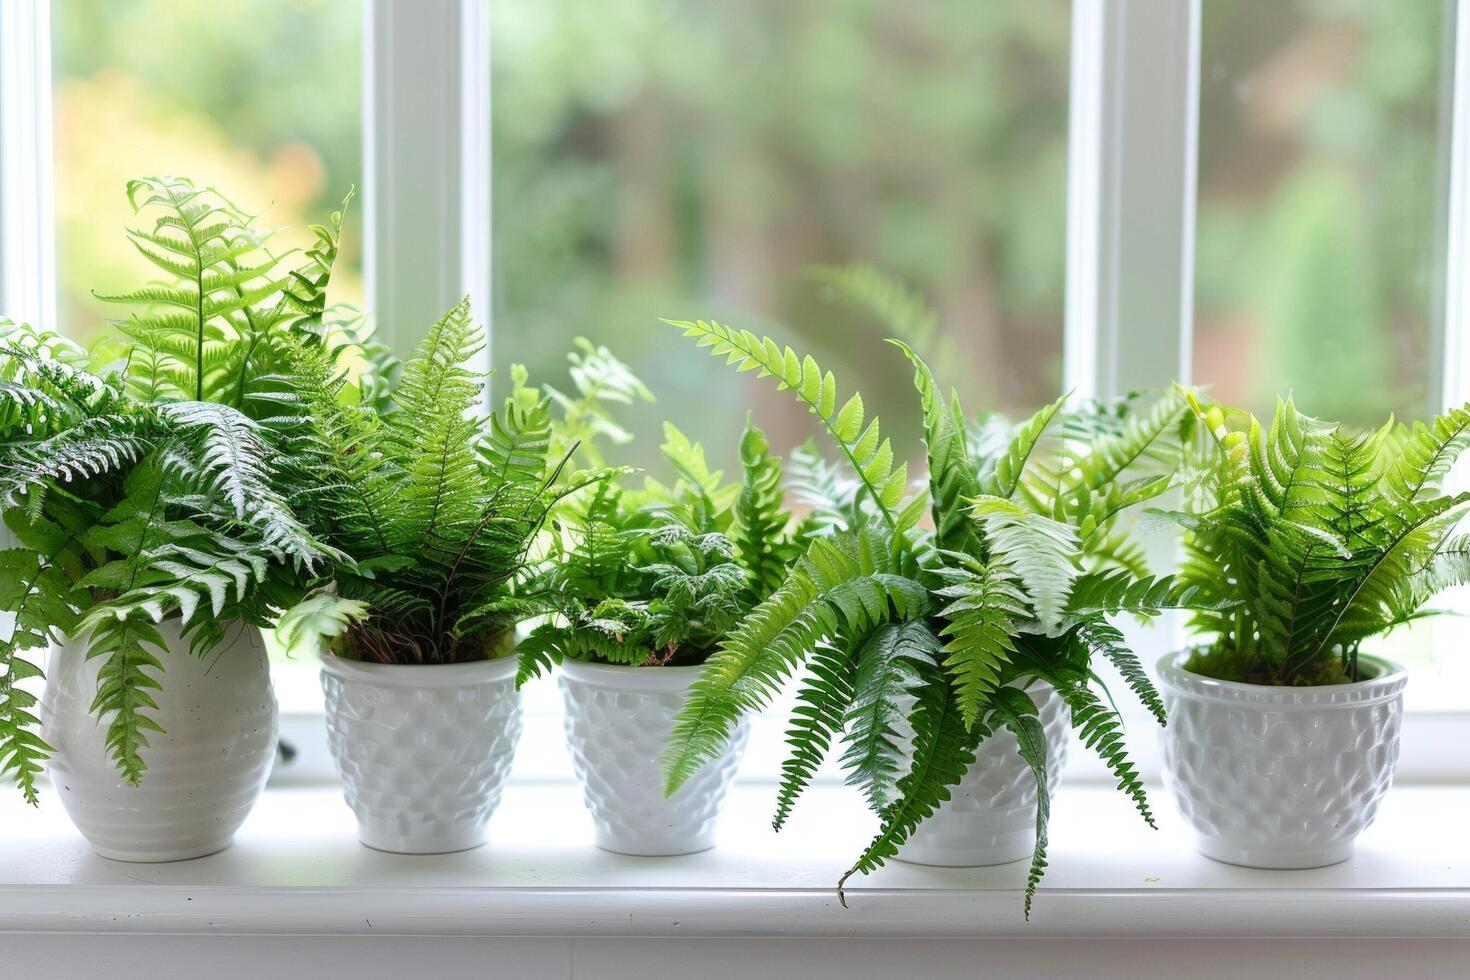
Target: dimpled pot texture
x: 617, y: 721
x: 205, y: 770
x: 424, y: 751
x: 990, y: 817
x: 1280, y: 777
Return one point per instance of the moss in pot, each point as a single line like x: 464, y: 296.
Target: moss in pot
x: 1285, y: 732
x: 644, y: 585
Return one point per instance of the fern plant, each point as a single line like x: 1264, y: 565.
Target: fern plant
x: 435, y: 503
x: 658, y: 576
x: 142, y: 479
x: 893, y: 625
x: 1321, y: 537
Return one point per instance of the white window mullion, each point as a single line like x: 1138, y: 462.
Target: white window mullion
x: 27, y: 233
x: 426, y: 163
x: 1131, y: 194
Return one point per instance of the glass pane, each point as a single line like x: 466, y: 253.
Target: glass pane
x: 693, y: 159
x: 1321, y: 135
x: 260, y: 98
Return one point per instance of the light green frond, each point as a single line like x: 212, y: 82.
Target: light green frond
x: 870, y: 455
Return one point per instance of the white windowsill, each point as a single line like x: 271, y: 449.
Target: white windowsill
x: 296, y: 869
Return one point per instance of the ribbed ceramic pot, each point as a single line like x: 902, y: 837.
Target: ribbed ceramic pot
x: 205, y: 770
x: 424, y: 751
x: 990, y: 817
x: 618, y: 720
x: 1280, y: 777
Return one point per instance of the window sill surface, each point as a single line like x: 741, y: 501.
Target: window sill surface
x: 297, y: 869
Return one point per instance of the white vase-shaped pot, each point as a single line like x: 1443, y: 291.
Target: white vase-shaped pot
x: 205, y: 769
x: 990, y: 817
x: 1280, y: 777
x: 618, y: 720
x: 424, y: 751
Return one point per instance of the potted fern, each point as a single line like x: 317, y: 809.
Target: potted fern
x: 1285, y: 729
x: 643, y: 585
x: 153, y: 538
x: 947, y: 660
x: 438, y: 506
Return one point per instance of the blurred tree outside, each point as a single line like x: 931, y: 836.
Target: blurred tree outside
x: 1319, y: 188
x: 689, y: 158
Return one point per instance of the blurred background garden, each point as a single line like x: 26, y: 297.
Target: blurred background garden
x: 691, y: 158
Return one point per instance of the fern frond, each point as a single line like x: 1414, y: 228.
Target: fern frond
x: 903, y: 312
x: 1001, y: 477
x: 759, y: 529
x: 889, y: 669
x: 952, y: 477
x: 1042, y: 552
x: 1106, y: 639
x: 816, y: 718
x: 870, y: 455
x: 985, y: 608
x: 845, y: 585
x: 1101, y: 729
x: 943, y: 750
x: 1018, y: 714
x: 434, y: 433
x: 128, y: 675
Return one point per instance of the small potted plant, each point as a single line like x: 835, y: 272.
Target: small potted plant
x: 153, y: 538
x: 948, y: 661
x: 1306, y: 541
x: 644, y: 585
x: 436, y: 507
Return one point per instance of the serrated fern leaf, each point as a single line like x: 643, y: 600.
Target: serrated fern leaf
x: 1106, y: 639
x: 1017, y: 712
x: 870, y: 455
x: 128, y: 675
x: 1101, y: 729
x: 943, y: 750
x: 759, y: 529
x: 815, y: 719
x: 1001, y: 476
x: 984, y: 606
x: 1041, y: 550
x: 952, y: 477
x: 845, y: 585
x: 890, y: 664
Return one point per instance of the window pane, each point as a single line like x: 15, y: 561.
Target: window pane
x: 1319, y: 184
x: 691, y: 159
x: 260, y: 98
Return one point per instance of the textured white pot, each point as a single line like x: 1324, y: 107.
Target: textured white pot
x: 617, y: 721
x: 205, y: 770
x: 1280, y: 777
x: 424, y: 751
x: 990, y: 817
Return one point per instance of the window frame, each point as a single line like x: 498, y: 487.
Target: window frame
x: 1131, y: 200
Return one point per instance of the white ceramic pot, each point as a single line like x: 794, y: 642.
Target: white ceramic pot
x: 618, y: 720
x: 205, y: 770
x: 1280, y: 777
x: 424, y: 751
x: 990, y: 817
